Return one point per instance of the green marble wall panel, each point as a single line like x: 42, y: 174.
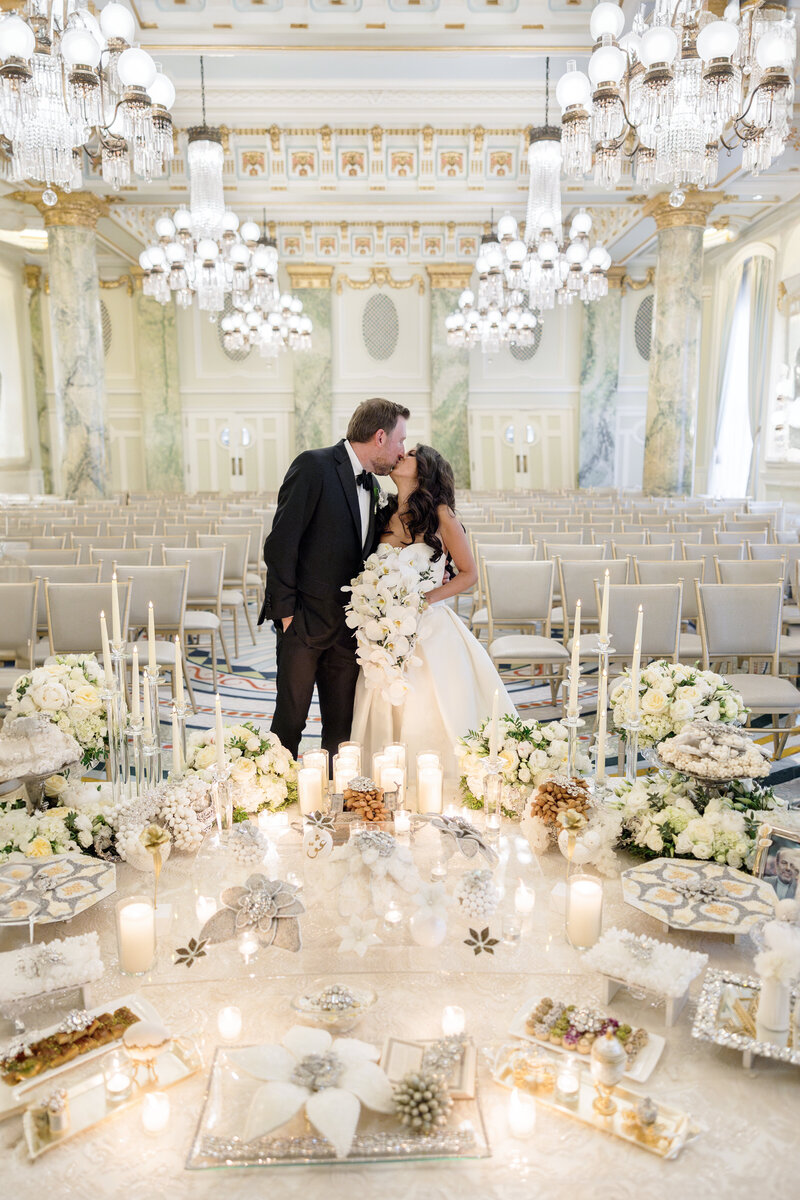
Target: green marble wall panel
x: 599, y: 383
x: 157, y: 352
x: 78, y: 367
x: 313, y: 375
x: 36, y: 326
x: 449, y: 389
x: 674, y: 363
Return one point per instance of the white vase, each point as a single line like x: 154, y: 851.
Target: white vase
x: 774, y: 1004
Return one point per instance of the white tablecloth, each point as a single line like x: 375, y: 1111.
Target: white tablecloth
x: 750, y: 1118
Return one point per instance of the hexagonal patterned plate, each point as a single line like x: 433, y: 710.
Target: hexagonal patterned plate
x: 53, y: 889
x: 707, y: 897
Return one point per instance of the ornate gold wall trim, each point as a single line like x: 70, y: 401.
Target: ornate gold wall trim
x: 379, y: 277
x: 637, y: 285
x: 310, y: 275
x: 122, y: 281
x: 32, y: 276
x: 449, y: 275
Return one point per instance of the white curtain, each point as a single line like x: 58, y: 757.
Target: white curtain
x: 730, y: 461
x: 759, y: 281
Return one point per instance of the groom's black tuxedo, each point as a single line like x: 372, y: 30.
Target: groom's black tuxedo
x: 313, y: 551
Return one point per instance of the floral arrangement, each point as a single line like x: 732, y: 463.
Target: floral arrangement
x: 779, y: 958
x: 181, y: 807
x: 530, y: 753
x: 67, y: 691
x: 263, y: 773
x: 671, y: 695
x: 59, y: 830
x: 671, y: 815
x: 386, y: 602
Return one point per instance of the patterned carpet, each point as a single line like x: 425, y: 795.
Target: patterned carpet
x: 248, y: 693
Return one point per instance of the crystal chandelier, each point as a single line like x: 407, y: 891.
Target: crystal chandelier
x: 242, y: 262
x: 685, y: 83
x: 284, y: 328
x: 205, y: 156
x: 68, y: 83
x: 499, y: 313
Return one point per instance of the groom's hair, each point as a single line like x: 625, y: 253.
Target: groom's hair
x: 372, y: 415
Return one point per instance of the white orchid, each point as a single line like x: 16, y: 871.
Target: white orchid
x: 308, y: 1069
x: 358, y: 936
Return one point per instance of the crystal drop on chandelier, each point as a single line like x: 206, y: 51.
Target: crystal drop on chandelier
x: 207, y: 202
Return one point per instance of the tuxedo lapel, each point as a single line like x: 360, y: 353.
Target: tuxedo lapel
x: 372, y: 518
x: 348, y: 480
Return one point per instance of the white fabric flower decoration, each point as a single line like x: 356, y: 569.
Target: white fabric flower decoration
x: 357, y: 936
x: 332, y: 1079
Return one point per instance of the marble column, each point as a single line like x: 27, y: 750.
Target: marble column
x: 675, y: 352
x: 313, y: 369
x: 80, y: 453
x: 157, y: 354
x: 33, y: 282
x: 599, y: 383
x: 449, y: 373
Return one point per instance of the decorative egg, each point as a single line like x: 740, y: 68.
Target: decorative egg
x: 317, y: 843
x: 608, y: 1060
x: 145, y: 1040
x: 586, y: 846
x: 428, y: 928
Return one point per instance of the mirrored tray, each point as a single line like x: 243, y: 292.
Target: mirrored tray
x: 727, y: 1015
x: 379, y: 1138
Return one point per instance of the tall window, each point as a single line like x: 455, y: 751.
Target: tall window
x: 730, y: 466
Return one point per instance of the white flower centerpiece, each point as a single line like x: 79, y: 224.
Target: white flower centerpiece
x: 387, y: 601
x: 530, y: 753
x: 263, y: 772
x: 673, y: 816
x: 68, y: 828
x: 66, y: 690
x: 671, y: 695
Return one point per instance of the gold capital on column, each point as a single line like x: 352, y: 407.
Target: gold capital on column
x: 33, y: 276
x: 73, y: 208
x: 615, y: 277
x: 310, y: 275
x: 693, y: 211
x: 449, y: 275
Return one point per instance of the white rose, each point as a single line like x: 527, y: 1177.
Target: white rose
x: 654, y: 840
x: 243, y: 770
x: 205, y: 757
x: 690, y: 693
x: 263, y: 763
x: 475, y: 785
x: 682, y: 710
x: 701, y: 850
x: 538, y: 760
x: 524, y: 775
x: 55, y: 785
x: 654, y: 701
x: 50, y: 697
x: 87, y: 697
x: 253, y: 743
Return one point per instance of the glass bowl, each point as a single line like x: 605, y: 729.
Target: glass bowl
x: 337, y: 1007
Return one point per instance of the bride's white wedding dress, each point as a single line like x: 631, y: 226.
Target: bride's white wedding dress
x: 450, y: 692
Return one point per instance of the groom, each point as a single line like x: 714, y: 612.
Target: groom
x: 323, y: 530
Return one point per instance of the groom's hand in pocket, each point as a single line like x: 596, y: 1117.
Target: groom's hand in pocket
x: 286, y: 622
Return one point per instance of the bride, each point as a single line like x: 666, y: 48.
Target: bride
x: 452, y: 689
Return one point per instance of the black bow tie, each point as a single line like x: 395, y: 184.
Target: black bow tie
x: 364, y: 480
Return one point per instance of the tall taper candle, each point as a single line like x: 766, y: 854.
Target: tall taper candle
x: 494, y: 730
x: 107, y: 669
x: 135, y: 710
x: 177, y: 764
x: 573, y: 707
x: 116, y: 630
x: 151, y: 639
x: 178, y: 688
x: 220, y: 733
x: 148, y: 720
x: 604, y: 608
x: 633, y: 707
x: 602, y: 720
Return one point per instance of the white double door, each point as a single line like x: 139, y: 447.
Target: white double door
x: 519, y: 448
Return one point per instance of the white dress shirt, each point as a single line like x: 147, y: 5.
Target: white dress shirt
x: 364, y: 497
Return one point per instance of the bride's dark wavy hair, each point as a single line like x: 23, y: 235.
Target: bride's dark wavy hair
x: 435, y: 486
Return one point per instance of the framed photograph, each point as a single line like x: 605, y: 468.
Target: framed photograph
x: 778, y: 860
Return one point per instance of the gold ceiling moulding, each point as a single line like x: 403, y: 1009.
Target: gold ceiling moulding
x: 378, y: 277
x: 82, y: 209
x: 540, y: 51
x: 121, y: 281
x: 310, y: 275
x: 449, y: 275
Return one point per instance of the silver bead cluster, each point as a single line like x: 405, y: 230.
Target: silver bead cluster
x: 476, y: 895
x: 422, y: 1101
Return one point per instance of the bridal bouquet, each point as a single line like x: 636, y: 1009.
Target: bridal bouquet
x: 386, y: 602
x: 670, y: 695
x: 263, y: 773
x: 66, y: 690
x: 530, y: 753
x: 671, y: 815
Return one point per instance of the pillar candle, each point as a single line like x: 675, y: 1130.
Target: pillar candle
x: 396, y: 754
x: 219, y: 736
x: 521, y: 1114
x: 573, y: 708
x: 584, y: 910
x: 177, y: 764
x: 155, y: 1111
x: 379, y: 761
x: 604, y: 608
x: 318, y: 759
x: 524, y: 899
x: 391, y: 780
x: 116, y: 629
x: 429, y: 789
x: 152, y: 665
x: 136, y: 935
x: 344, y: 769
x: 135, y: 709
x: 494, y: 730
x: 107, y: 668
x: 454, y: 1020
x: 229, y: 1022
x: 428, y: 759
x: 602, y: 720
x: 351, y: 750
x: 178, y: 683
x: 309, y: 790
